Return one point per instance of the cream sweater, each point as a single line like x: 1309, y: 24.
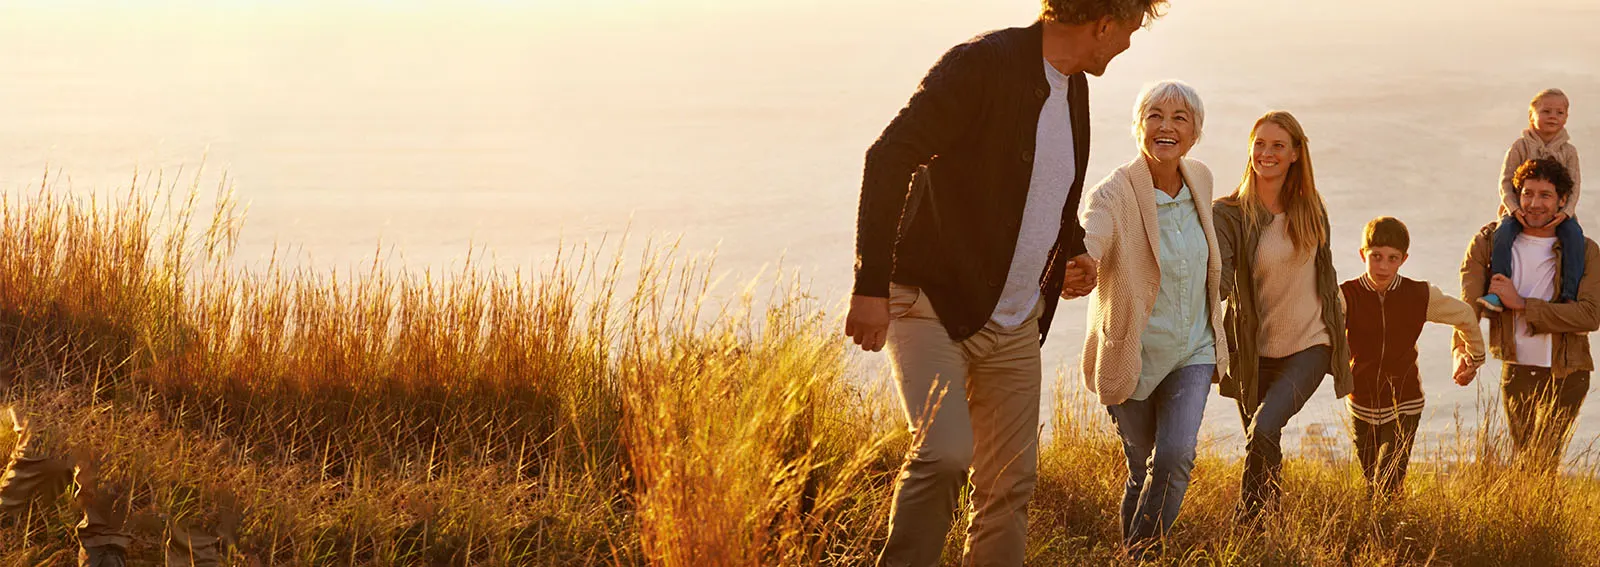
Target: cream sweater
x: 1531, y: 146
x: 1122, y: 234
x: 1286, y: 291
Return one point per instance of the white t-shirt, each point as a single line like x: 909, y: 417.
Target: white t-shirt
x: 1533, y: 272
x: 1055, y: 166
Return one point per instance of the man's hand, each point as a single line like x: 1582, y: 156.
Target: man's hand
x: 1502, y: 286
x: 1466, y: 370
x: 868, y: 321
x: 1080, y: 279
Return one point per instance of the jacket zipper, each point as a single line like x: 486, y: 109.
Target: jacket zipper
x: 1383, y: 333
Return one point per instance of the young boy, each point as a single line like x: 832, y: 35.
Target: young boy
x: 1545, y: 137
x: 1384, y: 316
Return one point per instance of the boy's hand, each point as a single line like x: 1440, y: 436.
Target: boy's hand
x: 1520, y: 219
x: 1466, y: 370
x: 1502, y: 286
x: 1559, y: 218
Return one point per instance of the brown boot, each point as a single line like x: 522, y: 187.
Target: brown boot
x: 102, y: 556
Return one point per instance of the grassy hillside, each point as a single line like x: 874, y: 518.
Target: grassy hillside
x: 575, y: 416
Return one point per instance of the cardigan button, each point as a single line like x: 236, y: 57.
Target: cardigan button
x: 1027, y: 157
x: 1040, y: 92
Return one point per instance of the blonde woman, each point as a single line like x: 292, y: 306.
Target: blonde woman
x: 1284, y: 320
x: 1155, y: 335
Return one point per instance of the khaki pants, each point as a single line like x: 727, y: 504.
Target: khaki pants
x: 39, y: 469
x: 987, y: 422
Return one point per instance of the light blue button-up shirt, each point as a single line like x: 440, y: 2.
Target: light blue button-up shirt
x: 1179, y: 332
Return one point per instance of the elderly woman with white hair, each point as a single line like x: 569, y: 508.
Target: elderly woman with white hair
x: 1155, y: 335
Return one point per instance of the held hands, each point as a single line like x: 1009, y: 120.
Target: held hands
x: 1466, y: 370
x: 868, y: 321
x: 1502, y: 286
x: 1080, y: 279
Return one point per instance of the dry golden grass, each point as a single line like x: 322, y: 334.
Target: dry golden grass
x: 576, y: 416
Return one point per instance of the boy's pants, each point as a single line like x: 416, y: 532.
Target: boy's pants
x: 1568, y: 233
x: 987, y: 422
x: 39, y: 470
x: 1385, y: 452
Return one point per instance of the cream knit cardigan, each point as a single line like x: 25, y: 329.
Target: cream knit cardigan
x: 1122, y: 234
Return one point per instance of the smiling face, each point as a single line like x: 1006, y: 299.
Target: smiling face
x: 1168, y: 129
x: 1540, y: 202
x: 1272, y: 151
x: 1548, y: 115
x: 1383, y: 264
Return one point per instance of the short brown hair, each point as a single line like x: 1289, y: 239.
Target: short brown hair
x: 1074, y: 12
x: 1547, y: 170
x: 1386, y: 231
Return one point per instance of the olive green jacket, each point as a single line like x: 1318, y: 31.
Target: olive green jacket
x: 1237, y: 240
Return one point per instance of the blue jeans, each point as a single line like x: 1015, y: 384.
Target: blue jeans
x: 1158, y: 436
x: 1286, y: 383
x: 1568, y: 233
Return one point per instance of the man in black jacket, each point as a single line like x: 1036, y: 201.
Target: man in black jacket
x: 967, y: 233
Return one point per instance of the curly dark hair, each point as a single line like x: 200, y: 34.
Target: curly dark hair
x: 1073, y: 12
x: 1547, y: 170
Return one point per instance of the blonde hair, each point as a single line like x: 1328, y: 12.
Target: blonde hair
x: 1304, y: 212
x: 1533, y: 105
x: 1546, y: 93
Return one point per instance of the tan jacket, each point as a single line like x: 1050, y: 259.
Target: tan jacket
x: 1121, y: 233
x: 1531, y: 146
x: 1570, y: 322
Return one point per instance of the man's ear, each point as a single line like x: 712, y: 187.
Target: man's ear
x: 1104, y: 26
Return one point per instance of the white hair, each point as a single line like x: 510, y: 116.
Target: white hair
x: 1168, y: 91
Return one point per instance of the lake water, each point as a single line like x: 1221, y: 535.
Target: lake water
x: 428, y: 129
